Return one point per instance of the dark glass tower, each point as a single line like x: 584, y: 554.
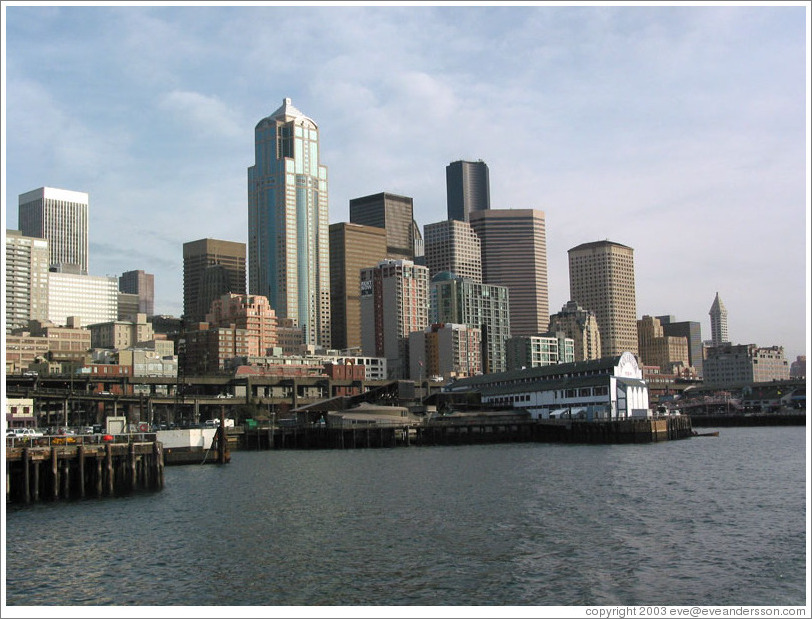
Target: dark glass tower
x: 467, y: 188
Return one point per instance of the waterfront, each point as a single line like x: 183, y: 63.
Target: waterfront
x: 702, y: 521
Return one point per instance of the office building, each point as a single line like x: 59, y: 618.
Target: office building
x: 467, y: 188
x: 352, y: 248
x: 27, y: 260
x: 121, y: 334
x: 141, y: 284
x: 797, y: 368
x: 484, y: 306
x: 445, y: 351
x: 667, y: 352
x: 251, y: 313
x: 718, y: 319
x: 602, y: 280
x: 691, y: 331
x: 580, y: 325
x: 60, y: 216
x: 211, y: 268
x: 514, y: 254
x: 288, y: 221
x: 394, y: 303
x: 453, y: 246
x: 90, y: 298
x: 393, y: 213
x: 732, y: 366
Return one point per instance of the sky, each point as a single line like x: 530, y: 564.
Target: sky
x: 681, y: 131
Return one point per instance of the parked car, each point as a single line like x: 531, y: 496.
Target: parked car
x: 23, y: 433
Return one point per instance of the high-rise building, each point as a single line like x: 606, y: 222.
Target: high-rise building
x: 288, y: 221
x: 467, y: 188
x: 27, y: 260
x: 797, y: 368
x: 445, y: 350
x: 60, y: 216
x: 690, y: 330
x: 394, y: 303
x: 142, y: 284
x: 453, y: 246
x: 484, y: 306
x: 602, y: 280
x: 90, y: 298
x: 211, y: 268
x: 667, y: 352
x: 580, y: 325
x: 352, y: 248
x: 393, y: 213
x: 252, y: 313
x: 718, y: 318
x: 514, y: 254
x: 532, y: 351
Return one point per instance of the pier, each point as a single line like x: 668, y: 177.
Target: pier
x: 54, y: 472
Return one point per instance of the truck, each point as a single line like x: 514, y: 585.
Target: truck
x: 116, y: 425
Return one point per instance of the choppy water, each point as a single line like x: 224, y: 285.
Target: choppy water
x: 702, y: 521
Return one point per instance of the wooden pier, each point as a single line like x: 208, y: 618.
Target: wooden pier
x: 62, y: 472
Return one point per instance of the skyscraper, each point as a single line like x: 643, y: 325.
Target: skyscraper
x: 602, y: 280
x: 394, y: 303
x: 718, y: 318
x: 393, y: 213
x: 61, y: 217
x: 141, y: 284
x: 514, y: 254
x: 211, y: 268
x: 690, y: 330
x: 352, y: 247
x: 453, y: 246
x: 580, y: 325
x: 467, y: 188
x: 288, y: 221
x: 27, y: 260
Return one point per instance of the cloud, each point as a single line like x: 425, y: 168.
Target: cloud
x: 206, y: 115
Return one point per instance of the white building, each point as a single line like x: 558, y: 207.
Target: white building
x: 92, y: 298
x: 27, y: 260
x: 61, y: 216
x: 607, y: 388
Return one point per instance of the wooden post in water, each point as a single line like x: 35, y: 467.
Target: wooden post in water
x: 99, y: 476
x: 66, y: 478
x: 109, y: 467
x: 55, y: 473
x: 132, y: 463
x: 36, y: 481
x: 81, y: 471
x: 26, y: 475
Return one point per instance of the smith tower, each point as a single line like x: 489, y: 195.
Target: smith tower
x: 288, y: 222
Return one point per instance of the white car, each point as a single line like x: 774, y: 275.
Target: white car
x: 23, y: 433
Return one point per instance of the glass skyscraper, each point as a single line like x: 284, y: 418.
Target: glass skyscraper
x: 467, y: 188
x: 288, y: 222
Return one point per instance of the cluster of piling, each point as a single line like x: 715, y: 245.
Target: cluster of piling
x: 35, y: 474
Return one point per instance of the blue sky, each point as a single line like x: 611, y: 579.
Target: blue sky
x: 681, y: 131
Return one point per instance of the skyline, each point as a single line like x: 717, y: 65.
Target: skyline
x: 679, y: 131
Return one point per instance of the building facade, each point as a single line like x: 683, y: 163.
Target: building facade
x: 691, y: 331
x: 211, y: 268
x: 121, y: 334
x: 606, y: 388
x: 798, y: 367
x: 251, y: 313
x: 514, y: 254
x: 581, y: 325
x: 393, y: 213
x: 23, y: 349
x: 352, y: 248
x: 27, y: 260
x: 91, y: 298
x: 467, y: 188
x: 667, y: 352
x: 718, y: 320
x: 602, y: 281
x: 453, y: 246
x: 394, y: 303
x: 731, y: 365
x: 61, y: 216
x: 141, y: 284
x: 532, y: 351
x: 288, y: 222
x: 67, y: 344
x: 445, y: 350
x: 484, y: 306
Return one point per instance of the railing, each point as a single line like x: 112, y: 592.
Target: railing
x: 61, y: 440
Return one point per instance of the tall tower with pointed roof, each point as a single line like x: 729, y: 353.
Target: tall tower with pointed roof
x: 718, y: 317
x: 288, y: 222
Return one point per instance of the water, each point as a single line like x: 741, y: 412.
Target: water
x: 702, y: 521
